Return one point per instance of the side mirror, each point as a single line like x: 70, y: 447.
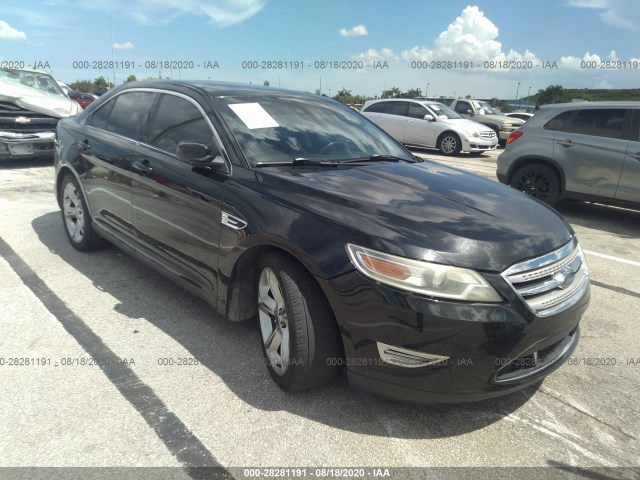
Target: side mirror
x: 199, y: 154
x: 482, y: 111
x: 429, y: 117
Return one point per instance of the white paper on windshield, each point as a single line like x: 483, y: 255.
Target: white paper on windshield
x: 253, y: 115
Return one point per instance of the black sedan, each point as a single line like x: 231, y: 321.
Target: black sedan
x: 291, y: 210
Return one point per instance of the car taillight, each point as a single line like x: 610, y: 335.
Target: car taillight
x: 514, y: 136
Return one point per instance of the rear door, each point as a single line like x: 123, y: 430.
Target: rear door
x: 591, y: 148
x: 417, y: 130
x: 629, y: 187
x: 390, y: 116
x: 108, y: 148
x: 176, y: 206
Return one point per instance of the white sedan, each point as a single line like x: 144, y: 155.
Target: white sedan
x: 429, y: 124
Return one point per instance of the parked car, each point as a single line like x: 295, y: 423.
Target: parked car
x: 31, y: 103
x: 524, y: 116
x: 483, y: 113
x: 429, y: 124
x: 293, y: 211
x: 582, y: 151
x: 83, y: 99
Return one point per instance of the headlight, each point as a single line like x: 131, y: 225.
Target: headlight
x: 472, y: 134
x: 427, y: 278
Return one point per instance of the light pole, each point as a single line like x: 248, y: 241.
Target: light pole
x: 426, y: 94
x: 517, y: 92
x: 528, y: 96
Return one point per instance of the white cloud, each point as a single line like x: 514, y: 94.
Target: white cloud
x: 373, y: 55
x: 357, y: 31
x: 123, y: 46
x: 591, y: 59
x: 222, y: 13
x: 7, y: 32
x: 617, y: 13
x: 472, y: 36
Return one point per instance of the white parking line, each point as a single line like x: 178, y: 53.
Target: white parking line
x: 615, y: 259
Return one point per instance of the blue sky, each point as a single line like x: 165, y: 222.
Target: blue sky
x: 302, y: 33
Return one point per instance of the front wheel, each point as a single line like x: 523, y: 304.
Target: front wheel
x: 449, y: 144
x: 539, y: 181
x: 300, y: 338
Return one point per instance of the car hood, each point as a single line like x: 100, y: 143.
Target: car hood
x: 37, y: 100
x: 516, y: 122
x: 465, y: 124
x: 424, y: 211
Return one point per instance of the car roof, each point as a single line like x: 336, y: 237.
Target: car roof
x: 417, y: 100
x: 220, y: 89
x: 580, y: 105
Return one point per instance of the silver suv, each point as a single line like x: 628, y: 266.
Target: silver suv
x: 583, y: 151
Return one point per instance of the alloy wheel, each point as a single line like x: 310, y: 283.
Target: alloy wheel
x: 274, y: 324
x: 73, y: 213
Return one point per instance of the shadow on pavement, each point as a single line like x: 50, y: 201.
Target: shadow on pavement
x: 233, y: 352
x: 622, y: 222
x: 26, y: 163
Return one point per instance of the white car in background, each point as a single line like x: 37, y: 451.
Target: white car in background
x: 521, y: 115
x: 31, y: 104
x: 430, y: 124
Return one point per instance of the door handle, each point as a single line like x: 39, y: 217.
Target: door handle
x: 142, y: 167
x: 635, y: 155
x: 566, y: 143
x: 83, y: 146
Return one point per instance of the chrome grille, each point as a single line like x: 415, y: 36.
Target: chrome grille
x: 488, y: 135
x: 551, y: 283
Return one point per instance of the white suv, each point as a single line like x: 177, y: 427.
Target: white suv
x: 429, y: 124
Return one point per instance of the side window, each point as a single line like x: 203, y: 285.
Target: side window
x: 462, y: 107
x: 100, y: 117
x: 177, y: 119
x: 417, y: 111
x: 395, y: 108
x: 380, y: 107
x: 559, y: 122
x: 129, y: 113
x: 601, y: 122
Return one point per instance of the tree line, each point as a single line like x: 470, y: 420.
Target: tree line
x: 551, y: 94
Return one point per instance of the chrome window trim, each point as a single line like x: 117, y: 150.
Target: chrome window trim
x: 216, y: 136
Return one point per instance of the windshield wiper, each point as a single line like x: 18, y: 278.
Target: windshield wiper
x: 380, y: 158
x: 298, y: 162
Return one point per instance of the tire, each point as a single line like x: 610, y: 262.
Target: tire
x: 449, y: 144
x: 539, y: 181
x: 76, y: 219
x: 300, y: 338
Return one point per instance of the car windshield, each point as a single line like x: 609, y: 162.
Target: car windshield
x: 277, y: 128
x: 37, y: 80
x: 442, y: 111
x: 488, y: 109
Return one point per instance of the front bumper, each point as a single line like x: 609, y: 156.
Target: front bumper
x: 476, y: 144
x: 490, y: 349
x: 26, y: 145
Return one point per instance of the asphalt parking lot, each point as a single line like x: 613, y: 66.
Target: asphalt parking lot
x: 103, y: 363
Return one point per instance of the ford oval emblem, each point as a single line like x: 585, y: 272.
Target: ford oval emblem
x: 564, y: 278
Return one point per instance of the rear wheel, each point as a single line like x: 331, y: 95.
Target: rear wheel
x: 449, y: 144
x: 76, y: 218
x: 539, y: 181
x: 300, y: 338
